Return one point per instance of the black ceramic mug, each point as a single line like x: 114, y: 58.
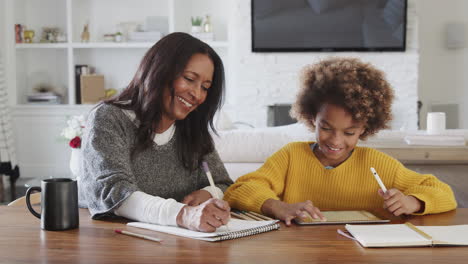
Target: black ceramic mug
x: 59, y: 204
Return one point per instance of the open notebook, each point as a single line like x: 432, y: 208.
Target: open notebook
x: 237, y: 228
x: 407, y: 235
x: 342, y: 217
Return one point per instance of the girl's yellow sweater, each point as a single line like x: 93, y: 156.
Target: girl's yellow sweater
x: 294, y: 174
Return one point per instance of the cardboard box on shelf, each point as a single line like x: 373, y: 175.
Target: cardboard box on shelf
x: 92, y: 88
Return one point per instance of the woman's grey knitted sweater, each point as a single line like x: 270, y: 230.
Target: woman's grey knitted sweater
x: 109, y: 173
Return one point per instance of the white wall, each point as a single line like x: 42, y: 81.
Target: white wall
x: 262, y: 79
x: 2, y: 28
x: 443, y: 72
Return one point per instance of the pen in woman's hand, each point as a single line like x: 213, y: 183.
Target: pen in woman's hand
x: 210, y: 179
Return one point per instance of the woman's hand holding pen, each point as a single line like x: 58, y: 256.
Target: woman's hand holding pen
x: 205, y: 217
x: 287, y: 212
x: 398, y: 203
x: 197, y: 198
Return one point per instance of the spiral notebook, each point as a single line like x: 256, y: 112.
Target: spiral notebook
x: 237, y: 228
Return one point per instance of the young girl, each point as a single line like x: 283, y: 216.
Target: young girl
x: 343, y: 100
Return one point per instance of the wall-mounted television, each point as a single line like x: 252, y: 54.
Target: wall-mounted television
x: 328, y: 25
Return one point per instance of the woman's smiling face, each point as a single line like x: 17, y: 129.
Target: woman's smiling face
x: 190, y: 90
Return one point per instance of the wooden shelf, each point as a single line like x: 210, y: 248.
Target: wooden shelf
x: 30, y: 110
x: 41, y: 45
x: 97, y: 45
x: 126, y: 45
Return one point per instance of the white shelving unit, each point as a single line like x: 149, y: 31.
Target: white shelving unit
x: 53, y: 63
x: 37, y: 127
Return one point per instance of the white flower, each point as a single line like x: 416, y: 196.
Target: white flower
x: 69, y: 133
x: 75, y: 127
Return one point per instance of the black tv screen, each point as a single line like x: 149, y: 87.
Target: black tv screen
x: 328, y: 25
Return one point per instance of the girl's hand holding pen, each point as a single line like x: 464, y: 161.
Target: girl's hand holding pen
x: 398, y: 203
x: 287, y: 212
x: 395, y: 201
x: 205, y: 217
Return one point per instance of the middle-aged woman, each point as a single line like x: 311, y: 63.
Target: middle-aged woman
x: 142, y: 150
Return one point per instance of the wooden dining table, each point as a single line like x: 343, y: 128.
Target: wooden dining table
x: 23, y: 241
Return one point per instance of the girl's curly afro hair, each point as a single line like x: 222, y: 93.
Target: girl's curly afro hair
x: 358, y: 87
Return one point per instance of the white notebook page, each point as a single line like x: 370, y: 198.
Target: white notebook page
x: 386, y: 235
x: 456, y: 234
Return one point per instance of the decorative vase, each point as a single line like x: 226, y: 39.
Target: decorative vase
x: 196, y: 29
x: 75, y: 162
x: 207, y: 25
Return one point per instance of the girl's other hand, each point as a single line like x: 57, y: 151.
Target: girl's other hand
x: 287, y: 212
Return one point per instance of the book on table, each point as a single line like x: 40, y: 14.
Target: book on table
x: 342, y: 217
x: 408, y: 235
x: 236, y: 228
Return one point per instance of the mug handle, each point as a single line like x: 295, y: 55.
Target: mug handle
x: 28, y: 201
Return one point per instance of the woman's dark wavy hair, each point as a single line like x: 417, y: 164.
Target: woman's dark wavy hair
x: 159, y: 68
x: 358, y: 87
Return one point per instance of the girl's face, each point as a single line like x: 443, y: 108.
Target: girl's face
x: 190, y: 90
x: 337, y: 134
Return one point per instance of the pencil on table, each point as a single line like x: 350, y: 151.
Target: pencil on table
x: 118, y: 231
x: 241, y: 216
x: 249, y: 214
x: 264, y: 217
